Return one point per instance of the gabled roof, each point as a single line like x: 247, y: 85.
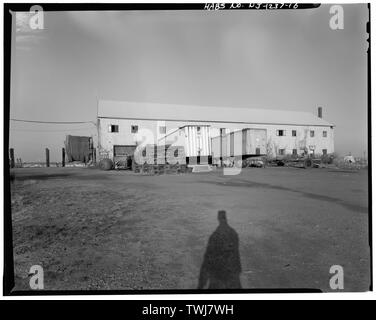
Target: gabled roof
x: 173, y: 112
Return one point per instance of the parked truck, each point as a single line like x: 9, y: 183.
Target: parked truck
x: 245, y: 146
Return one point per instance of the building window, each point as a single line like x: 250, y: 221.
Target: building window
x: 113, y: 128
x: 280, y: 133
x: 312, y: 133
x: 324, y: 134
x: 294, y: 133
x: 258, y: 151
x: 281, y: 152
x: 162, y: 130
x: 134, y: 129
x: 198, y: 130
x: 324, y: 152
x: 294, y: 152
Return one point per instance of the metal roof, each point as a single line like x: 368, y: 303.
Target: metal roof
x: 174, y: 112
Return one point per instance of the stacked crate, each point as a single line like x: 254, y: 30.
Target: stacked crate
x: 160, y: 154
x: 177, y: 154
x: 156, y: 160
x: 150, y: 154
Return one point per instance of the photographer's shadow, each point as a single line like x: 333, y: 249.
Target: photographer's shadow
x: 221, y: 267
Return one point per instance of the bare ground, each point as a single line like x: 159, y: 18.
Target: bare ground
x: 92, y: 229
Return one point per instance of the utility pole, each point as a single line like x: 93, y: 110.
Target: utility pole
x: 12, y: 163
x: 47, y: 157
x: 63, y: 157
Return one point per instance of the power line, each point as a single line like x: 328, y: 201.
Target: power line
x: 53, y: 122
x: 62, y: 130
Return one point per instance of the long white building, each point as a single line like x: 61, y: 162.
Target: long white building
x: 124, y: 126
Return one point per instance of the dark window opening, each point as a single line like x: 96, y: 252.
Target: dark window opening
x: 294, y: 133
x: 280, y: 133
x: 324, y: 134
x: 113, y: 128
x: 258, y: 151
x: 312, y: 133
x: 294, y: 152
x: 281, y: 152
x: 134, y: 129
x: 324, y: 152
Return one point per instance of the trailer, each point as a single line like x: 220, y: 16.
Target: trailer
x: 195, y: 140
x: 238, y: 146
x: 305, y: 162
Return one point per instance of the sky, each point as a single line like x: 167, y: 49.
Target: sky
x: 285, y: 60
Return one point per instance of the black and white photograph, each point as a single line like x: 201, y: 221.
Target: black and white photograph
x: 187, y: 148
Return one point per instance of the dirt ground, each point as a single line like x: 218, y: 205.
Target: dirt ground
x: 92, y: 229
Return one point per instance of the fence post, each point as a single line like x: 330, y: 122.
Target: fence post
x: 11, y: 151
x: 63, y: 157
x: 47, y: 157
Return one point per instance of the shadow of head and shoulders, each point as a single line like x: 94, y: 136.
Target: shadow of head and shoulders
x: 221, y: 266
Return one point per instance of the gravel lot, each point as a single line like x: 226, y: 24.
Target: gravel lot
x: 93, y: 229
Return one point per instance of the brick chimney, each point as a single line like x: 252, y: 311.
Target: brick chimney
x: 319, y: 112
